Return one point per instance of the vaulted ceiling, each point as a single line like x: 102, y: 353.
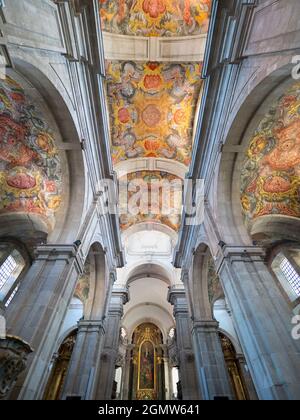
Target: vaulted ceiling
x: 154, y: 52
x: 152, y: 108
x: 155, y: 17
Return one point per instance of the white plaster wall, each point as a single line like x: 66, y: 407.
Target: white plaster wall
x: 226, y: 324
x: 74, y: 314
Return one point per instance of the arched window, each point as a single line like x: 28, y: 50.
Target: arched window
x: 287, y: 272
x: 291, y: 275
x: 12, y: 264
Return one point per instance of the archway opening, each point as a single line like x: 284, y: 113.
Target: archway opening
x: 60, y: 367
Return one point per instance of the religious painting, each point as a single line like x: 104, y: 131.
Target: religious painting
x: 147, y: 366
x: 60, y: 367
x: 83, y: 287
x: 270, y: 178
x: 30, y: 169
x: 152, y: 109
x: 150, y: 197
x: 155, y: 17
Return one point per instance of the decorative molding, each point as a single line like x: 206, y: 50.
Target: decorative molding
x: 60, y: 252
x: 239, y: 254
x: 151, y: 164
x: 162, y: 49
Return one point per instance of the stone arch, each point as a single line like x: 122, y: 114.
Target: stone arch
x: 151, y: 226
x: 203, y: 284
x: 149, y: 270
x: 233, y: 340
x: 155, y: 320
x: 92, y: 287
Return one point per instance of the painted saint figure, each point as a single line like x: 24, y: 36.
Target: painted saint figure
x: 147, y: 366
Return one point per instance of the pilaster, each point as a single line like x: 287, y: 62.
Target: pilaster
x: 190, y: 388
x: 263, y: 320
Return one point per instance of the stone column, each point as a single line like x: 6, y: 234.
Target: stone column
x: 126, y: 375
x: 86, y: 354
x: 187, y: 369
x: 262, y: 319
x: 106, y: 371
x: 167, y: 374
x: 38, y: 310
x: 211, y: 368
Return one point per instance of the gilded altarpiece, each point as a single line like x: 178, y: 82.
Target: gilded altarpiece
x: 147, y: 367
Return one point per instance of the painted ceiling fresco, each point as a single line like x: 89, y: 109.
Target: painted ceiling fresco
x: 155, y: 17
x: 152, y: 109
x: 271, y: 174
x: 82, y: 289
x: 150, y: 196
x: 30, y: 173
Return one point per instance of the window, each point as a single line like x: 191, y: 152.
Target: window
x: 12, y: 296
x: 10, y: 271
x: 291, y: 275
x: 7, y: 269
x: 287, y: 275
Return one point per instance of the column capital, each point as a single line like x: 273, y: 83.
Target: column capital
x: 175, y: 293
x: 119, y: 297
x: 240, y: 254
x: 87, y: 326
x: 121, y: 293
x: 64, y: 252
x: 205, y: 326
x: 177, y: 298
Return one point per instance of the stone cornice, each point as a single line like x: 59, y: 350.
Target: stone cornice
x: 60, y: 252
x: 205, y: 326
x: 91, y: 326
x: 239, y: 254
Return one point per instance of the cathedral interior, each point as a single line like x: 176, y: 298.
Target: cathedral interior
x: 149, y: 200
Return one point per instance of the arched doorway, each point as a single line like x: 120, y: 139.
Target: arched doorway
x: 147, y: 367
x: 59, y: 371
x: 234, y: 369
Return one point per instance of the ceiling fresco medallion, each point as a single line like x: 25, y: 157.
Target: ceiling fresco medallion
x: 271, y: 172
x: 30, y: 171
x: 152, y: 109
x: 150, y: 197
x: 155, y: 17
